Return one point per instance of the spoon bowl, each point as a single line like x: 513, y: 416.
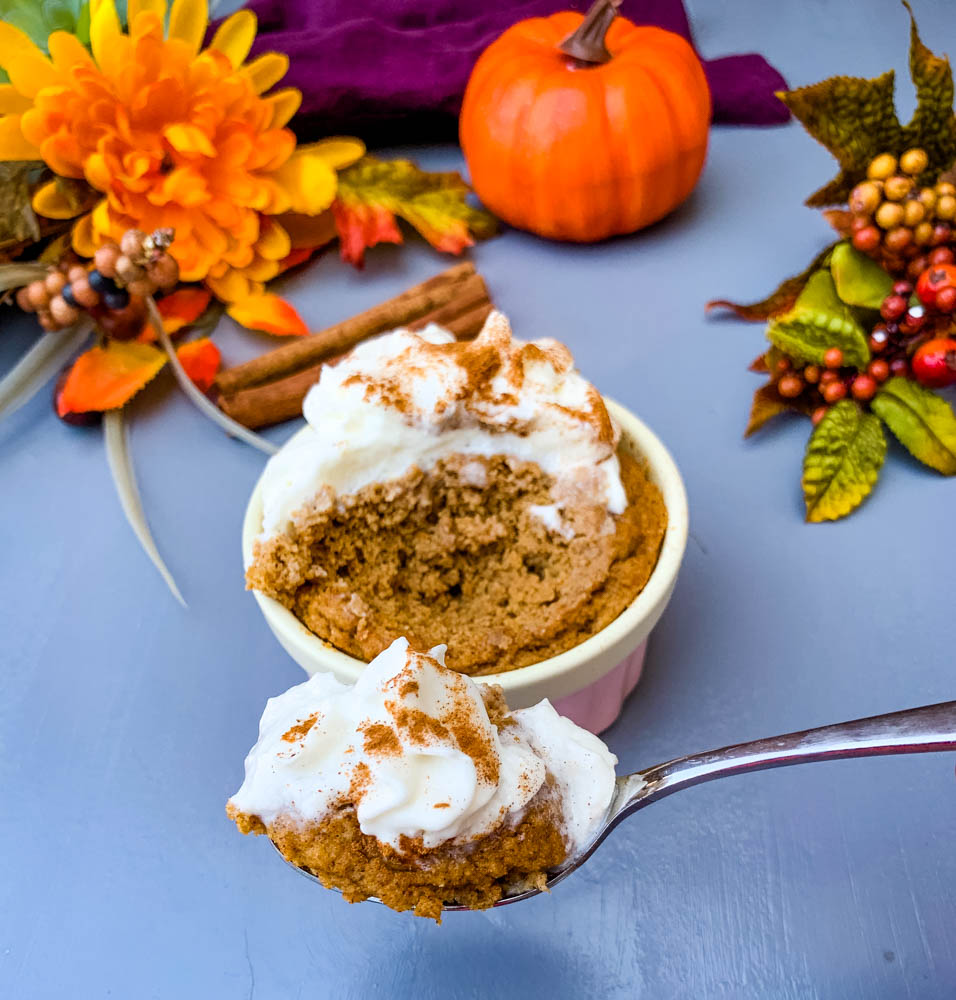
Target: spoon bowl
x: 931, y: 728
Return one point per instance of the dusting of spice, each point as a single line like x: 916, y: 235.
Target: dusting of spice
x: 300, y: 730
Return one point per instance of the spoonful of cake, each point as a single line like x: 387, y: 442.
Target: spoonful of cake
x: 418, y: 787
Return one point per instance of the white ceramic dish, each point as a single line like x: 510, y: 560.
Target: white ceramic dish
x: 589, y: 682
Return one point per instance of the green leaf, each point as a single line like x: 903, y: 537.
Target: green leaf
x: 818, y: 321
x: 859, y: 280
x: 40, y: 18
x: 842, y: 463
x: 923, y: 422
x: 933, y: 125
x: 778, y: 301
x: 854, y: 118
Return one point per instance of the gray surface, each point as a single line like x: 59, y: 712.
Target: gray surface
x: 124, y: 719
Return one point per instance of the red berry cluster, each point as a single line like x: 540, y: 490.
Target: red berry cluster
x: 818, y: 387
x: 918, y: 322
x: 112, y: 291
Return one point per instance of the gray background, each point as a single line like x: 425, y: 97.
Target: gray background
x: 124, y: 719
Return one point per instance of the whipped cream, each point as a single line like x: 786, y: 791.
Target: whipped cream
x: 411, y: 746
x: 410, y: 399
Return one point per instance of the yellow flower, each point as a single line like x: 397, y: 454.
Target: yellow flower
x: 172, y: 135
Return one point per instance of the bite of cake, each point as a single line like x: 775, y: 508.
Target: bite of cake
x: 475, y: 493
x: 417, y: 786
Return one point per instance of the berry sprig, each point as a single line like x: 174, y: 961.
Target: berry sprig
x: 896, y: 222
x: 815, y: 388
x: 113, y: 290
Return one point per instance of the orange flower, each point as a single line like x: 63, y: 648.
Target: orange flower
x: 172, y: 135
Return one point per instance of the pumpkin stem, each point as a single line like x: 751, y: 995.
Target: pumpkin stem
x: 586, y: 44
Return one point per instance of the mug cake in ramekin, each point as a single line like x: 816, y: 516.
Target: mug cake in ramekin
x: 481, y: 494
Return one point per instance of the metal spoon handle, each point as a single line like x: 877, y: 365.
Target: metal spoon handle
x: 915, y: 730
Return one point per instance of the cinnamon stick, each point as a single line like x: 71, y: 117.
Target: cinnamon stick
x: 307, y: 351
x: 281, y: 399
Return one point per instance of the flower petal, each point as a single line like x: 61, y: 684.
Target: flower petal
x: 266, y: 71
x: 187, y: 139
x: 235, y: 37
x: 12, y: 102
x: 107, y: 377
x: 309, y: 182
x: 51, y: 202
x: 104, y: 31
x: 13, y: 144
x: 230, y: 287
x: 134, y: 7
x: 273, y: 242
x: 200, y: 360
x: 268, y: 312
x: 187, y: 21
x: 284, y: 105
x: 84, y: 243
x: 67, y: 51
x: 338, y: 152
x: 28, y: 68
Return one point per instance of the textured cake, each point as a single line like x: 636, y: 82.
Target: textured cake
x: 475, y: 493
x: 416, y: 785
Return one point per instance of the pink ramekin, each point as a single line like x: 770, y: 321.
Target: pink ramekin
x: 588, y: 683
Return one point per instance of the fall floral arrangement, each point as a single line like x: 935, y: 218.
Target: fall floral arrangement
x: 861, y: 339
x: 149, y: 181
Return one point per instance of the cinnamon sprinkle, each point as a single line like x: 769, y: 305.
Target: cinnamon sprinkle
x: 381, y: 740
x: 300, y: 729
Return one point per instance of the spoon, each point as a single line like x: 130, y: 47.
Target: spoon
x: 915, y: 730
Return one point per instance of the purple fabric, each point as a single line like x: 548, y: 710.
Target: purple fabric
x: 392, y: 70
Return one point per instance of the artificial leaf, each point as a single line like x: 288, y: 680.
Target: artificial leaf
x: 859, y: 280
x: 179, y: 309
x: 818, y: 321
x: 372, y: 192
x: 124, y: 479
x: 767, y: 404
x: 933, y: 125
x: 843, y: 460
x: 854, y: 118
x: 779, y: 301
x: 923, y: 422
x: 269, y: 313
x: 200, y: 360
x: 106, y: 377
x: 297, y: 257
x: 759, y: 364
x: 18, y: 222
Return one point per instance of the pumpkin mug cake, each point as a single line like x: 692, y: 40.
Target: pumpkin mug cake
x: 473, y: 493
x: 416, y: 785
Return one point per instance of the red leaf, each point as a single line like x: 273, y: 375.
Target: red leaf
x: 179, y: 310
x: 362, y: 226
x: 104, y: 378
x: 269, y: 313
x: 201, y: 359
x: 296, y: 257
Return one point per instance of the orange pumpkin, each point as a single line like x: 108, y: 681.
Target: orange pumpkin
x: 579, y: 128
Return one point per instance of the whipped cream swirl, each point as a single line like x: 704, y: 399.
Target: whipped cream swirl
x: 411, y: 746
x: 410, y: 399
